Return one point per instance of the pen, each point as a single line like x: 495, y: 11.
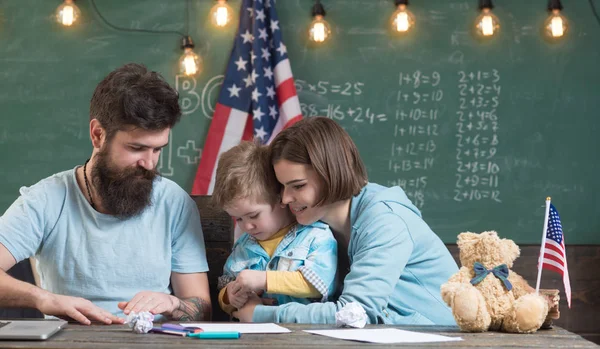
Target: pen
x: 181, y: 328
x: 167, y: 331
x: 215, y: 335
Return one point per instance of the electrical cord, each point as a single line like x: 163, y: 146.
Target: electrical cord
x: 594, y: 10
x: 187, y: 19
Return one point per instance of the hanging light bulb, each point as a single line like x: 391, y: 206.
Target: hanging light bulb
x: 556, y: 26
x: 67, y: 13
x: 486, y: 24
x: 221, y: 14
x: 189, y: 63
x: 402, y: 20
x: 319, y: 30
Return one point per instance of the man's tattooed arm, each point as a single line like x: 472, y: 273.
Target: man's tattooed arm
x: 192, y: 309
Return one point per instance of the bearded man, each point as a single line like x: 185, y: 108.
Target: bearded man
x: 112, y: 236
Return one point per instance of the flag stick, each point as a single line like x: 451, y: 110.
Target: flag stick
x: 540, y: 260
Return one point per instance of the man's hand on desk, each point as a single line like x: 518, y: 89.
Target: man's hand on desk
x: 154, y: 302
x: 78, y: 309
x: 174, y: 308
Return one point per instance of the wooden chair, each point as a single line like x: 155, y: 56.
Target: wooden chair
x: 217, y: 226
x: 21, y: 271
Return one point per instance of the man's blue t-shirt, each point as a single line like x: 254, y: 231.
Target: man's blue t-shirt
x: 81, y: 252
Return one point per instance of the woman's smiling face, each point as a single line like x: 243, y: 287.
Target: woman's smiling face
x: 302, y: 190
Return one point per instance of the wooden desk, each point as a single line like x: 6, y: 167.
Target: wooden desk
x: 581, y: 318
x: 99, y: 337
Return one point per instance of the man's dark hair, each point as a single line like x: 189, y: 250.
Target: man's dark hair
x: 132, y: 96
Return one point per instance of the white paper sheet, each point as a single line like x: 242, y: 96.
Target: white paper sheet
x: 384, y: 335
x: 241, y: 328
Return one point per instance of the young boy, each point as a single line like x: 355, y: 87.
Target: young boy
x: 276, y: 257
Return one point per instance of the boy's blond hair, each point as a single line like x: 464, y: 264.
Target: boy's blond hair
x: 245, y: 171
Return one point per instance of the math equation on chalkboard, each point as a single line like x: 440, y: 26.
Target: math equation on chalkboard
x: 430, y: 115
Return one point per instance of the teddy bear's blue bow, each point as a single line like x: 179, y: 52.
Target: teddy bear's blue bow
x: 501, y: 272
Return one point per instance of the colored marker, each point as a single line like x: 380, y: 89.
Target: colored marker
x: 169, y: 332
x: 173, y: 327
x: 215, y: 335
x: 181, y: 328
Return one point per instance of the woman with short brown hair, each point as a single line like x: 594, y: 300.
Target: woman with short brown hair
x: 391, y: 262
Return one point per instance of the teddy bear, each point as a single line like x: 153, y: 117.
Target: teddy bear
x: 485, y: 294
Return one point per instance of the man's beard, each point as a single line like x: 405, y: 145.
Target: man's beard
x: 124, y: 193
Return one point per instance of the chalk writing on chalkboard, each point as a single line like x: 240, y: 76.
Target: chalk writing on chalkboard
x: 477, y: 172
x: 415, y: 132
x: 165, y: 163
x: 188, y: 97
x: 345, y: 88
x: 189, y: 153
x: 210, y: 93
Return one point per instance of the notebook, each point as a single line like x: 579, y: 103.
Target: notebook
x: 29, y: 329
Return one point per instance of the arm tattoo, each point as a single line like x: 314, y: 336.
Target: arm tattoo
x: 192, y: 309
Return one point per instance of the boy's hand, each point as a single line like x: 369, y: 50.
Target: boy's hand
x: 236, y: 294
x: 245, y: 313
x: 253, y: 280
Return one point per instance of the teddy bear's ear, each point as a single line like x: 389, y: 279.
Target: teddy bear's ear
x: 511, y: 250
x: 466, y: 238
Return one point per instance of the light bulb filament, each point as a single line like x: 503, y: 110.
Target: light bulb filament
x: 487, y: 25
x: 190, y: 65
x: 221, y: 16
x: 67, y: 15
x: 319, y: 32
x: 557, y: 26
x: 402, y: 22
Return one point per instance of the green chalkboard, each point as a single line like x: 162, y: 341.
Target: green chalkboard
x: 478, y: 133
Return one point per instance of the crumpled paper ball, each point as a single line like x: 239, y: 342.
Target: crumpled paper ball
x: 140, y: 323
x: 351, y: 315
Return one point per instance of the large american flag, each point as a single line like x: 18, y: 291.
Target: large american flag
x: 555, y: 256
x: 258, y: 97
